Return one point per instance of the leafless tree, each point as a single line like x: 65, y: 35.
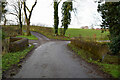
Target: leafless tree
x: 3, y: 11
x: 28, y: 17
x: 18, y: 13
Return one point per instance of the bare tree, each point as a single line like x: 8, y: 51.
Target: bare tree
x: 27, y: 18
x: 18, y: 13
x: 3, y: 11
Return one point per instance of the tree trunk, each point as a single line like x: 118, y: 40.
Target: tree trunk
x: 20, y: 21
x: 28, y: 29
x: 64, y: 32
x: 56, y: 32
x: 20, y: 24
x: 28, y: 18
x: 56, y: 18
x: 20, y: 30
x: 5, y: 21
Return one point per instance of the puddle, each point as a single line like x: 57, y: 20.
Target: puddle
x: 30, y: 45
x: 35, y: 43
x: 68, y: 42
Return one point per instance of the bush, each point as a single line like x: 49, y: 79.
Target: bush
x: 115, y: 45
x: 96, y: 49
x: 9, y: 31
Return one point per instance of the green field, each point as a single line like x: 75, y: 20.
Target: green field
x: 32, y: 37
x: 71, y: 32
x: 86, y: 33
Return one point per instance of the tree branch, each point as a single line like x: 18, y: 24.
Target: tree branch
x: 32, y: 9
x: 15, y: 7
x: 24, y: 3
x: 27, y: 9
x: 14, y: 14
x: 59, y: 2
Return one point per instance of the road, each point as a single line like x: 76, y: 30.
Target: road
x: 53, y: 59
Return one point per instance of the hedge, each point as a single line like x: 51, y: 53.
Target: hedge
x: 96, y: 49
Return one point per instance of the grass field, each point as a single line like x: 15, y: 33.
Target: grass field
x: 32, y: 37
x: 49, y: 32
x: 86, y: 33
x: 71, y: 32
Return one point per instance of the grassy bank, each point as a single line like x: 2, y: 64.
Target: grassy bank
x: 110, y: 68
x: 0, y: 66
x: 32, y: 37
x: 10, y: 59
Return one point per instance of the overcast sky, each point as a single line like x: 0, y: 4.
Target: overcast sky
x: 86, y: 14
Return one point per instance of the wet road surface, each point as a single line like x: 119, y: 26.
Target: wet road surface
x: 53, y: 59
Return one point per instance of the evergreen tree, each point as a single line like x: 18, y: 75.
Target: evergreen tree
x: 56, y: 18
x: 67, y: 8
x: 111, y: 18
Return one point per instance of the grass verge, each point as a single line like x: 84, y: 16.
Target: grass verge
x: 32, y: 37
x: 112, y: 69
x: 10, y: 59
x: 0, y: 66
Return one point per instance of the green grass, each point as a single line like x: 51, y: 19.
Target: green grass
x: 112, y: 69
x: 0, y: 66
x: 71, y: 32
x: 49, y: 32
x: 10, y: 59
x: 32, y: 37
x: 86, y: 33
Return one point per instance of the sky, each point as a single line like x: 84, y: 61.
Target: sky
x: 85, y: 15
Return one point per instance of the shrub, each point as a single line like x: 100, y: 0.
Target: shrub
x: 97, y: 49
x: 115, y: 45
x: 9, y: 31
